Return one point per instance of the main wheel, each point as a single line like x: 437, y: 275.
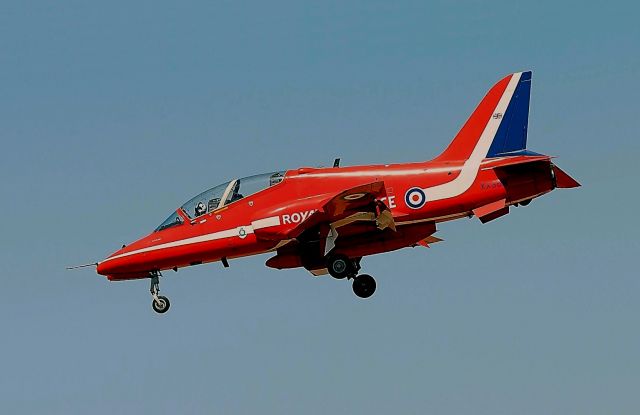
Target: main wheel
x: 364, y: 286
x: 340, y: 266
x: 161, y: 305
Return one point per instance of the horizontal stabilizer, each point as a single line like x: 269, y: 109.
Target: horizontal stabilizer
x: 514, y: 161
x: 563, y: 180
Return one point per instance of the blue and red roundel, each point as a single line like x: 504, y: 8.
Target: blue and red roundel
x: 415, y: 198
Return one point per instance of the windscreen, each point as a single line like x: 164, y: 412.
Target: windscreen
x: 173, y: 220
x: 205, y: 201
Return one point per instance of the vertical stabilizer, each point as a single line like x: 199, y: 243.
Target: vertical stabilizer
x: 511, y: 137
x: 498, y: 126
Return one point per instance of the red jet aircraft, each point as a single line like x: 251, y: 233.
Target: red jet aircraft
x: 327, y: 219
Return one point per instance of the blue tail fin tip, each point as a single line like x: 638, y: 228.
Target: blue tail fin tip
x: 511, y: 136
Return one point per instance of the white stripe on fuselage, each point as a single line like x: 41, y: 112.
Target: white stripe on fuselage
x: 469, y: 171
x: 194, y: 240
x: 228, y: 233
x: 266, y: 222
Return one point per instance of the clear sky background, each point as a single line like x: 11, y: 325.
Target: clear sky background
x: 114, y: 113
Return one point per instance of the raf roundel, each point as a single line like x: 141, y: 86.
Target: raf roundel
x: 415, y: 198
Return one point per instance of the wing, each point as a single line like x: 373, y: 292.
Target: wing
x: 362, y: 202
x: 355, y: 205
x: 355, y: 222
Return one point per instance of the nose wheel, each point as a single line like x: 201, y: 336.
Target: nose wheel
x: 160, y: 303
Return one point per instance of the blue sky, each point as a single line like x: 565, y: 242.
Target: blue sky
x: 115, y: 113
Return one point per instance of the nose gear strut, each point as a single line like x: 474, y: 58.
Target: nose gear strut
x: 160, y: 303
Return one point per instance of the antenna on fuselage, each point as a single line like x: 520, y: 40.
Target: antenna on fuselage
x: 336, y: 162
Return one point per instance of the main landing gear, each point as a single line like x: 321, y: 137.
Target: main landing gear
x: 340, y: 267
x: 160, y: 303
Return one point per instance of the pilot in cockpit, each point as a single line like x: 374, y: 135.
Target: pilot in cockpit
x: 200, y: 209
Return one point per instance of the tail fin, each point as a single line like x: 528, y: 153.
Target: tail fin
x: 498, y: 126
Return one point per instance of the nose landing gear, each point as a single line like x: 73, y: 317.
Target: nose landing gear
x: 160, y: 303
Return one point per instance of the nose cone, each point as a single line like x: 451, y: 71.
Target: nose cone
x: 104, y: 268
x: 111, y: 265
x: 125, y: 264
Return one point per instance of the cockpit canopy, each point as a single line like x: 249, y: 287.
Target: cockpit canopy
x: 222, y: 195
